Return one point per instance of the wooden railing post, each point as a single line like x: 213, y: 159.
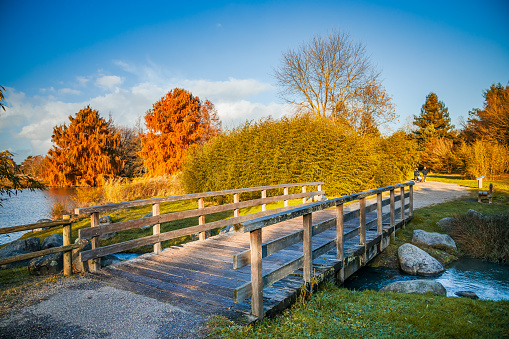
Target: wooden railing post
x: 340, y: 239
x: 264, y: 195
x: 201, y: 219
x: 286, y: 193
x: 156, y: 229
x: 320, y: 197
x: 393, y: 223
x: 307, y: 243
x: 362, y: 231
x: 411, y: 200
x: 304, y: 191
x: 402, y: 194
x: 236, y: 199
x: 66, y: 234
x: 94, y: 264
x: 256, y: 273
x: 379, y: 215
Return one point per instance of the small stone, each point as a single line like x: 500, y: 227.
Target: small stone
x: 105, y: 219
x: 467, y: 294
x: 77, y: 265
x: 433, y: 239
x: 445, y: 224
x: 474, y: 213
x: 227, y: 229
x: 46, y: 265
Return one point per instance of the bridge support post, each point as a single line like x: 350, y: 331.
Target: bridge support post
x: 156, y: 229
x: 256, y: 273
x: 264, y: 195
x: 362, y: 229
x: 307, y: 243
x: 201, y: 219
x: 402, y: 194
x: 66, y: 234
x: 393, y: 223
x: 339, y: 240
x: 411, y: 201
x: 286, y: 193
x: 304, y: 191
x: 94, y: 264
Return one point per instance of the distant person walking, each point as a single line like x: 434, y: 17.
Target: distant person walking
x: 416, y: 174
x: 425, y: 173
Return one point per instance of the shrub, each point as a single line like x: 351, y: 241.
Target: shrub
x: 297, y: 149
x: 484, y: 237
x: 484, y: 158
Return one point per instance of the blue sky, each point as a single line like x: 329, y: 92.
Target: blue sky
x: 121, y: 57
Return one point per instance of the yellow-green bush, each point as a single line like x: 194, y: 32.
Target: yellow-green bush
x: 298, y: 149
x: 484, y: 158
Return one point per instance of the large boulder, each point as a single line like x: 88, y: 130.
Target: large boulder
x: 148, y: 215
x: 474, y: 213
x: 77, y: 265
x: 420, y: 286
x: 467, y: 294
x: 48, y: 264
x: 19, y: 247
x: 445, y: 224
x: 53, y: 240
x: 433, y: 239
x: 415, y: 261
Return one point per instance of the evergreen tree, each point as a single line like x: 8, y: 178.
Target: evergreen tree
x: 435, y: 114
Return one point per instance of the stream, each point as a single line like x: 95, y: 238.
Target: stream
x: 488, y: 280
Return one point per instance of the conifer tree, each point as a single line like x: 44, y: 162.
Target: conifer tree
x: 175, y: 124
x: 83, y: 152
x: 435, y: 114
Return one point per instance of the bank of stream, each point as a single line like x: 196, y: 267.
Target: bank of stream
x: 488, y: 280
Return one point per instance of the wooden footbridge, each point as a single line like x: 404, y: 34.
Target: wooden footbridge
x: 267, y: 259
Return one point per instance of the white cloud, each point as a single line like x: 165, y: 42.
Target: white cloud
x: 27, y: 125
x: 108, y: 81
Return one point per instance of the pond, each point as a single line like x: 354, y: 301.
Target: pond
x: 27, y: 207
x: 488, y: 280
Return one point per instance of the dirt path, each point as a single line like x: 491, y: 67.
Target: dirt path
x: 78, y: 307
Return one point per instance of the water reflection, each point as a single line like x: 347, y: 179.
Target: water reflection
x: 488, y: 280
x: 27, y: 207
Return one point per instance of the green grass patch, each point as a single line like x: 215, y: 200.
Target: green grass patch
x: 498, y: 185
x: 335, y: 312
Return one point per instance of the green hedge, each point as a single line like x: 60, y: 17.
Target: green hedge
x: 298, y: 149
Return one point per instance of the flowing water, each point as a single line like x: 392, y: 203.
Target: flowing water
x: 488, y: 280
x: 27, y: 207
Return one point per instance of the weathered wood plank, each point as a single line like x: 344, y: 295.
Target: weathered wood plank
x: 32, y: 255
x: 28, y: 227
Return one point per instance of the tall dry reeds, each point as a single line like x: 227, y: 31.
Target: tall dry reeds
x: 123, y: 189
x: 484, y: 237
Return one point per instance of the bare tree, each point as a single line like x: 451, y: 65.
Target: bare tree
x: 328, y: 76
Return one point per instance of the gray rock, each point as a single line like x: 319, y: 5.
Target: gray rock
x: 445, y: 224
x: 25, y: 245
x: 46, y: 265
x: 420, y: 286
x: 43, y: 228
x: 433, y: 239
x: 467, y: 294
x: 474, y: 213
x: 413, y: 260
x: 108, y: 260
x: 227, y: 229
x: 77, y: 265
x: 53, y: 240
x: 19, y: 247
x: 148, y: 215
x: 107, y: 236
x: 105, y: 219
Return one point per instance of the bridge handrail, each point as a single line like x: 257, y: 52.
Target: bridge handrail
x: 135, y: 203
x: 156, y: 219
x: 67, y: 247
x: 258, y: 282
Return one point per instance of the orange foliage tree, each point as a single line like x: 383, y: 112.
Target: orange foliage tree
x: 176, y: 124
x: 83, y: 152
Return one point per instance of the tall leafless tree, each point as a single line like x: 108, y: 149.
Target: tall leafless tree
x: 328, y: 76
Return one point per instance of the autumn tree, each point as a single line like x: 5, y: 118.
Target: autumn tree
x: 434, y: 119
x: 34, y: 166
x: 333, y: 76
x: 491, y: 122
x: 128, y: 149
x: 175, y: 124
x: 12, y: 179
x: 83, y: 152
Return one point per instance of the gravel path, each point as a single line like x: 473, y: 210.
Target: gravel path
x: 78, y: 307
